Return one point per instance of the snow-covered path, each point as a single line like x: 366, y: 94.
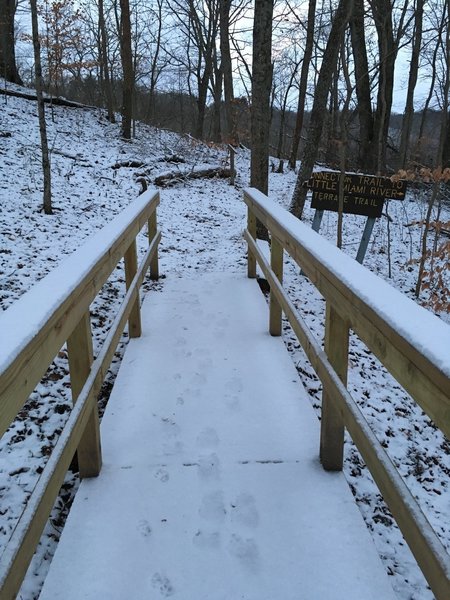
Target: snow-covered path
x: 211, y: 487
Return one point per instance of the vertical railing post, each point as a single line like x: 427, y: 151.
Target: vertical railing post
x: 332, y: 424
x: 134, y: 320
x: 152, y: 230
x: 276, y: 262
x: 251, y: 260
x: 80, y: 353
x: 232, y: 164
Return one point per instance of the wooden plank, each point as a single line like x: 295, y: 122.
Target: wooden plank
x: 20, y: 548
x: 80, y: 353
x: 29, y: 365
x: 332, y: 424
x: 428, y: 550
x: 134, y: 322
x: 276, y: 262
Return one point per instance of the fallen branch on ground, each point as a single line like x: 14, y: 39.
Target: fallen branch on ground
x: 56, y: 101
x: 173, y: 178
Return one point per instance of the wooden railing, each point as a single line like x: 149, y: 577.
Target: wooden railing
x: 392, y: 327
x: 35, y: 328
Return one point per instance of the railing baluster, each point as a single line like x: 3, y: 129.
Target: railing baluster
x: 79, y: 349
x: 134, y: 321
x: 152, y: 230
x: 251, y: 260
x: 276, y: 262
x: 332, y: 424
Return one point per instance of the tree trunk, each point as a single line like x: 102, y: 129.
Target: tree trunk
x: 412, y: 81
x: 47, y: 198
x: 382, y: 12
x: 127, y: 68
x: 201, y: 106
x: 362, y: 81
x: 443, y: 137
x: 230, y: 130
x: 107, y: 91
x: 303, y: 83
x: 216, y: 84
x: 8, y: 68
x: 155, y: 72
x: 446, y: 149
x: 329, y: 60
x: 261, y: 86
x: 260, y: 107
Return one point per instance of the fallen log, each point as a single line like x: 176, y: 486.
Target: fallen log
x: 128, y: 164
x: 173, y: 178
x: 55, y: 100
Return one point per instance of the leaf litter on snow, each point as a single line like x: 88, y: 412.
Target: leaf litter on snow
x: 95, y: 176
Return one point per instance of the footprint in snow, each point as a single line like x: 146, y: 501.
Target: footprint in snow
x: 208, y: 438
x: 203, y: 539
x: 209, y: 467
x: 198, y: 379
x: 163, y: 585
x: 162, y: 475
x: 205, y: 364
x: 172, y: 449
x: 243, y: 510
x: 245, y: 550
x: 144, y: 528
x: 169, y: 427
x: 233, y: 403
x: 234, y: 385
x: 213, y: 507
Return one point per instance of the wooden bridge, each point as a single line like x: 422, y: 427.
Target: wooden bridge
x: 211, y: 486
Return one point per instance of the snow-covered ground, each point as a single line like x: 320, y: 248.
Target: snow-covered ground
x: 89, y: 189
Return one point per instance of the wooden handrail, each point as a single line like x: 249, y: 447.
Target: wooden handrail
x: 424, y: 374
x: 27, y: 355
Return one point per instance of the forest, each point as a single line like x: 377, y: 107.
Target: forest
x: 333, y: 71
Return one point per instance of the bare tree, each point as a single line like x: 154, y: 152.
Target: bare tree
x: 127, y: 68
x: 104, y: 63
x: 363, y: 87
x: 444, y: 34
x: 412, y: 81
x: 8, y: 68
x: 47, y: 198
x: 329, y: 60
x: 261, y: 86
x: 198, y: 24
x: 309, y: 46
x: 388, y: 45
x: 225, y: 54
x: 260, y: 107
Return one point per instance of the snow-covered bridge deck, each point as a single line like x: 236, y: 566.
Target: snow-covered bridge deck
x: 211, y: 487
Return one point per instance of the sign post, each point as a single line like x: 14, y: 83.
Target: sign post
x: 365, y: 239
x: 317, y: 220
x: 363, y: 195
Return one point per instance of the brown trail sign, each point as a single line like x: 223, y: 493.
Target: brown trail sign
x: 363, y: 195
